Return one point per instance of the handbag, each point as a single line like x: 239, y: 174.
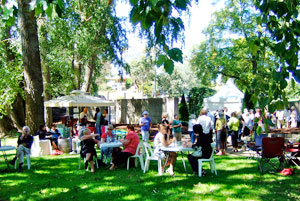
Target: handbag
x: 198, y: 152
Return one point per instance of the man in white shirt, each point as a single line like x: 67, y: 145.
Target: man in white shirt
x: 205, y: 122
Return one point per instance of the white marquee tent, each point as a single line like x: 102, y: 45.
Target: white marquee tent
x: 228, y: 96
x: 78, y: 99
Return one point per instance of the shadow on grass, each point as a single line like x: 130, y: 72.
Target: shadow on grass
x: 58, y: 178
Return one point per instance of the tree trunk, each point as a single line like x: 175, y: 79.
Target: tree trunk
x: 89, y: 70
x: 45, y: 71
x: 76, y: 65
x: 32, y: 66
x: 6, y: 125
x: 17, y: 114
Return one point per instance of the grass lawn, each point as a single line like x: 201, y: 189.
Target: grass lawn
x: 58, y: 178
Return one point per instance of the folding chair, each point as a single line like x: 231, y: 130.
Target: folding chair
x: 271, y: 148
x: 210, y: 160
x: 292, y: 152
x: 138, y: 155
x: 151, y: 157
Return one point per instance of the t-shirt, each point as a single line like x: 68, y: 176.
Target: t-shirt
x: 145, y: 121
x: 157, y: 140
x: 98, y: 118
x: 192, y: 122
x: 134, y: 142
x: 111, y: 137
x: 177, y: 129
x: 234, y: 123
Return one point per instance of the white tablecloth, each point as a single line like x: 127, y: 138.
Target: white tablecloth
x: 111, y: 144
x: 176, y: 148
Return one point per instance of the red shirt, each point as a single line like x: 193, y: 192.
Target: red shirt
x: 134, y: 142
x: 104, y: 135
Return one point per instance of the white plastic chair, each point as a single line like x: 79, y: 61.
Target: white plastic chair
x: 210, y: 160
x: 27, y: 159
x: 79, y: 161
x: 138, y: 155
x: 151, y: 157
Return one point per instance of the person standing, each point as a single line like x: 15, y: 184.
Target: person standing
x: 145, y: 123
x: 192, y: 122
x: 25, y: 141
x: 206, y: 123
x: 98, y: 117
x: 221, y: 134
x: 233, y: 125
x: 294, y: 117
x: 280, y: 118
x: 176, y: 126
x: 84, y: 116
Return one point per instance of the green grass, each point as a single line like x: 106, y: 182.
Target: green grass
x: 58, y: 178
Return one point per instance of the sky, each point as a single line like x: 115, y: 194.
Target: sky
x: 194, y: 25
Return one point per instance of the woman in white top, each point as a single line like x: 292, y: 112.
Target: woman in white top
x: 192, y: 122
x: 162, y: 138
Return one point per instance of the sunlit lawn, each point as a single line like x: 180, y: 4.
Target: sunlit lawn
x: 58, y: 178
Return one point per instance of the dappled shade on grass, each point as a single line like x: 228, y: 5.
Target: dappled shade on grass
x: 58, y: 178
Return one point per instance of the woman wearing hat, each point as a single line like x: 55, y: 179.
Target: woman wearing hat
x: 107, y: 138
x: 145, y: 123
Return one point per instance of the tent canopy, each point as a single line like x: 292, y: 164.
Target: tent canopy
x: 228, y: 96
x: 78, y: 99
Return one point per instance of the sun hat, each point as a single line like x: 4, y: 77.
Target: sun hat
x: 145, y: 112
x: 110, y: 127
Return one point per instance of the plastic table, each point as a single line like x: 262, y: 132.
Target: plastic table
x: 176, y: 148
x: 4, y: 149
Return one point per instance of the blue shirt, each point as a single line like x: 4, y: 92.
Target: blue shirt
x: 98, y: 118
x: 147, y: 122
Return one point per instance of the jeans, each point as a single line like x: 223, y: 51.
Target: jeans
x: 145, y: 136
x: 98, y: 129
x: 21, y: 151
x: 192, y: 135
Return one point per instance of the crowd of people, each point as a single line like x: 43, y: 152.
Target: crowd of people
x: 202, y: 130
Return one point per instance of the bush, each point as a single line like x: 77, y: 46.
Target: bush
x: 183, y: 110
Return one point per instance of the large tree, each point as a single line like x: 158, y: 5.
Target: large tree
x: 236, y: 49
x: 281, y: 19
x: 32, y: 66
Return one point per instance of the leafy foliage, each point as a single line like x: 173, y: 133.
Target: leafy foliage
x: 10, y: 69
x: 236, y: 48
x: 161, y: 25
x: 196, y: 97
x: 85, y: 29
x: 281, y: 19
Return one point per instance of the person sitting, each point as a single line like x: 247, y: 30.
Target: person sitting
x: 42, y: 132
x: 107, y: 138
x: 162, y: 138
x: 88, y: 148
x: 55, y: 134
x: 130, y: 143
x: 25, y: 141
x: 203, y: 141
